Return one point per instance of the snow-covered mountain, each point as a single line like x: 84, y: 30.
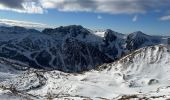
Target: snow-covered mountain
x: 71, y: 48
x: 143, y: 66
x: 138, y: 39
x: 142, y: 74
x: 114, y: 66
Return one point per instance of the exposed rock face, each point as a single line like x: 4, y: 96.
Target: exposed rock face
x: 135, y: 40
x: 138, y: 40
x: 113, y: 44
x: 109, y: 36
x: 70, y: 49
x: 77, y: 53
x: 63, y: 48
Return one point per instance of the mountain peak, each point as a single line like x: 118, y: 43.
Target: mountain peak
x: 71, y: 26
x: 73, y: 30
x: 109, y: 36
x: 137, y: 34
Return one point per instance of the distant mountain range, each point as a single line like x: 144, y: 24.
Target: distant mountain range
x: 70, y: 48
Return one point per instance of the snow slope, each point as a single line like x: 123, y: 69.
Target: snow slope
x: 143, y: 73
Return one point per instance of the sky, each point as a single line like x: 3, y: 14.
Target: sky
x: 125, y: 16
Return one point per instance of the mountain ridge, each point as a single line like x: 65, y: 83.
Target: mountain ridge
x: 70, y: 48
x: 103, y: 66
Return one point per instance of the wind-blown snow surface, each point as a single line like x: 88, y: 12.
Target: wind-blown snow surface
x: 143, y: 73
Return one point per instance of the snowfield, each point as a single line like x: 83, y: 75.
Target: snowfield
x: 142, y: 74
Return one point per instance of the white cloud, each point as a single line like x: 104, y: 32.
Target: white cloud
x: 22, y: 6
x: 164, y: 18
x: 106, y: 6
x: 135, y: 18
x: 99, y: 17
x: 27, y: 9
x: 7, y: 22
x: 101, y: 6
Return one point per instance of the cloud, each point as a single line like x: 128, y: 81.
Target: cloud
x: 164, y: 18
x: 12, y: 3
x: 135, y: 18
x: 99, y: 17
x: 99, y: 6
x: 106, y: 6
x: 22, y: 6
x: 7, y: 22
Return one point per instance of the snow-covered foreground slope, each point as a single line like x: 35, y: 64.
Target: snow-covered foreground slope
x: 141, y: 74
